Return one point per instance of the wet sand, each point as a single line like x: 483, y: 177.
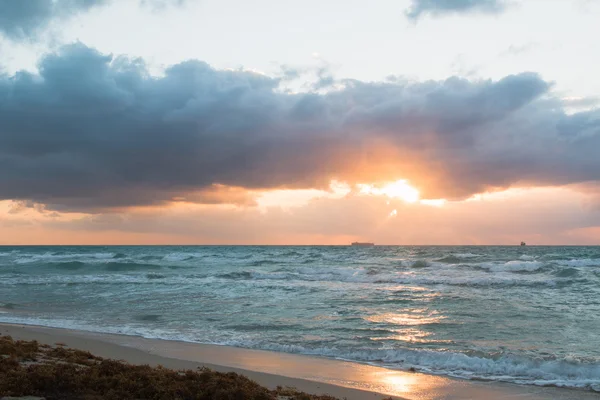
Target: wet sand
x: 309, y: 374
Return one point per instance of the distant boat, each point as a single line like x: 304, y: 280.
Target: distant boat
x: 523, y: 244
x: 363, y: 244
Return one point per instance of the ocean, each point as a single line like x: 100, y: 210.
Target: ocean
x: 528, y: 315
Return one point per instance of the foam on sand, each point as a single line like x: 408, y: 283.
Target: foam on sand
x: 313, y: 375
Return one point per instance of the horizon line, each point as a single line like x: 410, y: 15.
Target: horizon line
x: 299, y: 245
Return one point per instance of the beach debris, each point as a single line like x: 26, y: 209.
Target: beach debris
x: 23, y: 398
x: 28, y: 368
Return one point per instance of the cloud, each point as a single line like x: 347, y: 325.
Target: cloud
x: 94, y: 132
x: 581, y: 102
x: 20, y: 19
x: 162, y: 4
x: 510, y: 217
x: 418, y: 8
x: 24, y: 18
x: 517, y: 50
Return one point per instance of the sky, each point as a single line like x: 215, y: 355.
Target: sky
x: 278, y: 122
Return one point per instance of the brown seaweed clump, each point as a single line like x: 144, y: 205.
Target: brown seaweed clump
x: 30, y: 369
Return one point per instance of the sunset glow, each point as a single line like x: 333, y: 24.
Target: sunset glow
x: 395, y: 190
x: 292, y: 139
x: 350, y: 199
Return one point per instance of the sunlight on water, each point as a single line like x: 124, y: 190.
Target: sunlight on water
x: 405, y: 319
x: 526, y: 315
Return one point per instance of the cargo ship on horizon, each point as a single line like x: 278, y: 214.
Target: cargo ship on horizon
x: 362, y: 244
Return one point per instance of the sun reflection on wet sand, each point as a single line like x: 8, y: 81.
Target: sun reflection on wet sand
x: 400, y: 383
x: 405, y: 385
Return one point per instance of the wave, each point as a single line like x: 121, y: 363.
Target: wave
x: 104, y: 279
x: 104, y: 257
x: 258, y: 263
x: 311, y: 260
x: 92, y: 267
x: 582, y: 262
x: 50, y: 257
x: 370, y: 275
x: 178, y: 257
x: 566, y: 273
x: 513, y: 266
x: 265, y: 327
x: 148, y: 317
x: 507, y: 368
x: 351, y: 285
x: 291, y: 253
x: 69, y: 265
x: 420, y: 264
x: 128, y: 266
x: 236, y: 275
x: 466, y: 255
x: 513, y: 368
x: 119, y: 273
x: 155, y: 276
x: 450, y: 260
x: 370, y: 270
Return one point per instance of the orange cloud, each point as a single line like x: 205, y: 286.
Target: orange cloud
x: 537, y: 215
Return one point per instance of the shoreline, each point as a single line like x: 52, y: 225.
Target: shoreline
x: 315, y: 375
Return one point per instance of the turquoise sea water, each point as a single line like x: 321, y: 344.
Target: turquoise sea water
x: 519, y: 314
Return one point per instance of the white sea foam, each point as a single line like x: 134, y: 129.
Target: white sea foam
x: 114, y: 279
x: 502, y: 275
x: 177, y: 257
x: 49, y: 257
x: 518, y: 266
x: 250, y: 283
x: 466, y: 255
x: 516, y: 369
x: 583, y: 262
x: 507, y: 368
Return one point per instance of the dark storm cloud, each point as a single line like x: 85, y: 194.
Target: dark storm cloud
x: 95, y: 132
x: 21, y: 19
x: 441, y: 7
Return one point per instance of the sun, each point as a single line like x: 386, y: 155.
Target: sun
x: 397, y: 190
x: 401, y: 190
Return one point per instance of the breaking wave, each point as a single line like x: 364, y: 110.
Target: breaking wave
x: 502, y: 314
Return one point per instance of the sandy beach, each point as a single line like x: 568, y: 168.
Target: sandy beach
x: 309, y: 374
x: 299, y: 200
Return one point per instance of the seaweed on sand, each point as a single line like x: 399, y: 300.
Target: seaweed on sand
x: 28, y: 368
